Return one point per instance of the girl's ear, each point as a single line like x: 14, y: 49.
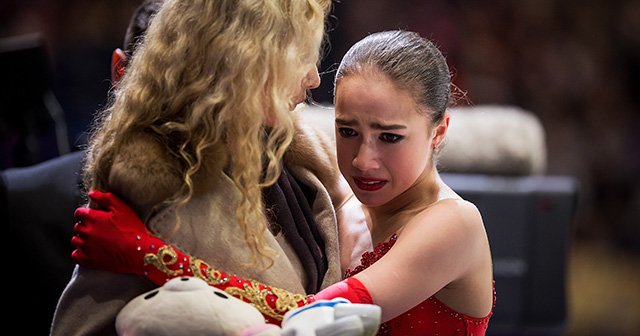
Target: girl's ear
x: 440, y: 131
x: 118, y: 63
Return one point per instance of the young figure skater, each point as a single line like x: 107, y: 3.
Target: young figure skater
x: 430, y: 270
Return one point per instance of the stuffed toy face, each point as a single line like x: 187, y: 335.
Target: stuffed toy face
x: 186, y: 306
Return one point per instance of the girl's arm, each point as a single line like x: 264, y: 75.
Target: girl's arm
x: 116, y: 240
x: 436, y: 249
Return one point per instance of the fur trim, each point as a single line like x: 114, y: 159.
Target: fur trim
x: 313, y: 149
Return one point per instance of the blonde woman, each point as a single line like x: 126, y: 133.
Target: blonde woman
x: 200, y: 140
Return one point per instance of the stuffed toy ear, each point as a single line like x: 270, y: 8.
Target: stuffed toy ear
x: 186, y: 306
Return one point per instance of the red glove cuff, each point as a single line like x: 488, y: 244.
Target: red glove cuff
x: 350, y: 288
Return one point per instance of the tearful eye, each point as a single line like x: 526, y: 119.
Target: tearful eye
x: 220, y: 294
x: 390, y: 137
x: 346, y: 132
x: 150, y: 295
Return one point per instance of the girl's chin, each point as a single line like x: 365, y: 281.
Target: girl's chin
x: 369, y: 201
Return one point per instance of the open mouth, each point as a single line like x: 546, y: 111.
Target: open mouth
x: 367, y: 184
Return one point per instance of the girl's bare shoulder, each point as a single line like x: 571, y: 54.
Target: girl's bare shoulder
x: 455, y: 215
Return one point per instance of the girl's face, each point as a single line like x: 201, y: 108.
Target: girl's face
x: 383, y: 143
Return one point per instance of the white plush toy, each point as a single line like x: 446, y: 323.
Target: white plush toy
x: 188, y: 306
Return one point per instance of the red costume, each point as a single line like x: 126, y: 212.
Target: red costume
x: 431, y: 317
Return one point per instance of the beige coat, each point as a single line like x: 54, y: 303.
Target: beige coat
x: 209, y: 231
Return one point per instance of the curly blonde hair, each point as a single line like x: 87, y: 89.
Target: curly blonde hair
x: 211, y: 74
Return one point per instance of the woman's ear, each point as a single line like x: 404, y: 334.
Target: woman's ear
x: 118, y: 64
x: 440, y: 131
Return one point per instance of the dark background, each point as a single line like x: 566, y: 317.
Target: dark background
x: 575, y: 64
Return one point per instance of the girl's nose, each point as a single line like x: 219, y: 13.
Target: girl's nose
x: 365, y: 158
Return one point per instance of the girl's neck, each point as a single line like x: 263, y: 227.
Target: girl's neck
x: 391, y: 217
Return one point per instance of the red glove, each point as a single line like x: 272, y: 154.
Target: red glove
x: 350, y: 288
x: 114, y: 240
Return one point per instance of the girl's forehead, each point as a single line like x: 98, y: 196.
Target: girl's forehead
x: 379, y: 95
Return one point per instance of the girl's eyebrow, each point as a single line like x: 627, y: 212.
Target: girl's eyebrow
x: 345, y: 122
x: 387, y: 127
x: 374, y: 125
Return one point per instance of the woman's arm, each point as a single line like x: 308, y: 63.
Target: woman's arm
x: 116, y: 240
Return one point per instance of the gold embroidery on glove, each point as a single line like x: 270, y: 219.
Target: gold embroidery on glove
x: 284, y: 301
x: 207, y: 273
x: 250, y: 290
x: 287, y: 300
x: 161, y: 263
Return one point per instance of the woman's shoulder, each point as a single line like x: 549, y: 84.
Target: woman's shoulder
x: 313, y: 150
x: 144, y: 172
x: 310, y: 146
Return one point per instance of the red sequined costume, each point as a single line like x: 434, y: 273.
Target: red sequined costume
x: 431, y: 317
